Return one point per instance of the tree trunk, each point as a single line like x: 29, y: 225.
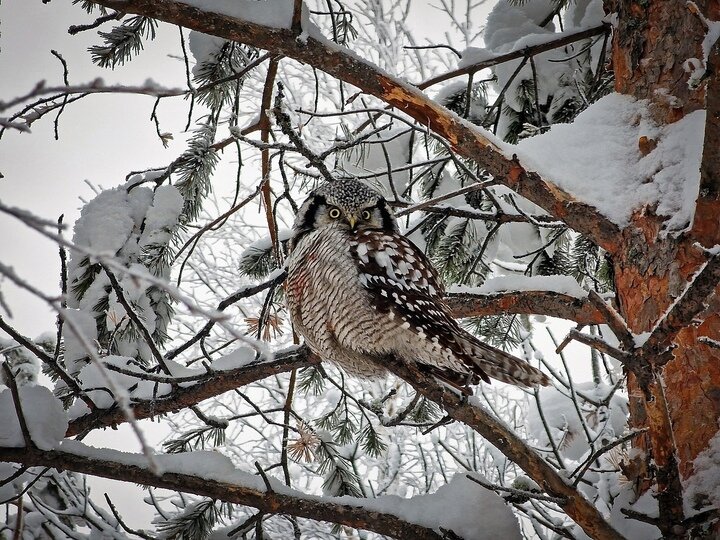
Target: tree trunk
x: 679, y: 400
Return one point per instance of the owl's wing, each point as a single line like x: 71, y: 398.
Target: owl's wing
x: 392, y: 262
x: 405, y: 285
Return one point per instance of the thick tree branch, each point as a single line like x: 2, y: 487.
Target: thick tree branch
x: 465, y: 138
x: 272, y: 502
x: 685, y: 309
x: 471, y: 413
x: 463, y: 305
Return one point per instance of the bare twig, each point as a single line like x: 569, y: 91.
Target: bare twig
x: 77, y: 28
x: 580, y: 471
x: 602, y: 346
x: 244, y: 292
x: 446, y: 196
x: 135, y: 318
x: 94, y: 87
x: 516, y: 492
x: 613, y: 320
x: 12, y: 383
x: 56, y: 368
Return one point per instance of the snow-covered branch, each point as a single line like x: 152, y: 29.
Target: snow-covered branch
x: 548, y: 303
x: 466, y: 139
x: 555, y: 42
x: 235, y: 487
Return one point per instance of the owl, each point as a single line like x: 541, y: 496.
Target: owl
x: 358, y: 291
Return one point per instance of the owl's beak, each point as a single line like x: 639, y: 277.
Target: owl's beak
x: 351, y: 219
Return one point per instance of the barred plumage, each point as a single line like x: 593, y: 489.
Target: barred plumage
x: 358, y: 291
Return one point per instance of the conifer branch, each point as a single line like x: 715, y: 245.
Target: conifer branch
x: 547, y: 303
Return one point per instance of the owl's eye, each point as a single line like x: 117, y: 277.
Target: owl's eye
x: 365, y: 215
x: 334, y: 213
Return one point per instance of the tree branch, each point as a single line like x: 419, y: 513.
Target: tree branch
x: 465, y: 138
x: 685, y: 309
x: 216, y: 384
x: 471, y: 413
x: 553, y: 43
x: 462, y: 305
x: 346, y: 511
x: 547, y: 303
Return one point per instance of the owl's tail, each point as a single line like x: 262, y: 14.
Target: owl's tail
x: 500, y: 365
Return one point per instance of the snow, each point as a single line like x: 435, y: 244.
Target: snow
x: 272, y: 13
x: 74, y: 348
x: 162, y: 216
x: 237, y: 359
x: 205, y: 464
x: 702, y: 489
x: 610, y: 173
x: 9, y: 490
x: 132, y: 223
x: 508, y: 23
x: 474, y: 55
x: 514, y: 26
x: 111, y: 209
x: 44, y: 415
x: 583, y: 13
x: 641, y: 339
x: 264, y: 244
x: 204, y: 48
x: 558, y: 284
x: 695, y: 67
x: 455, y: 506
x: 632, y: 528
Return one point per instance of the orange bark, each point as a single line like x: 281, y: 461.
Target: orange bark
x: 680, y: 406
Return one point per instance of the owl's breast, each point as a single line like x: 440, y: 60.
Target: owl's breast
x: 328, y: 305
x: 323, y: 285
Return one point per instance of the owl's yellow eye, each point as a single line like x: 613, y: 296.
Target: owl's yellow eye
x: 365, y: 215
x: 334, y: 213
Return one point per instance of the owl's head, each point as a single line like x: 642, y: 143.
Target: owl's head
x: 346, y: 204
